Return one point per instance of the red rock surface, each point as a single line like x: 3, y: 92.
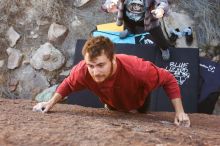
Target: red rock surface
x: 77, y: 125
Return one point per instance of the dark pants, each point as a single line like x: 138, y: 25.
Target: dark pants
x: 159, y: 38
x: 156, y: 33
x: 207, y: 106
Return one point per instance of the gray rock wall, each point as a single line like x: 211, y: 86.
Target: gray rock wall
x: 27, y: 25
x: 37, y: 41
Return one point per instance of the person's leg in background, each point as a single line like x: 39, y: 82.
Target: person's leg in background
x: 161, y: 41
x: 129, y: 28
x: 207, y: 106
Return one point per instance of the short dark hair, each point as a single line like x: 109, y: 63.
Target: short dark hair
x: 94, y: 46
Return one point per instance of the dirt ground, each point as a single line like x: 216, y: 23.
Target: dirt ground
x: 81, y: 126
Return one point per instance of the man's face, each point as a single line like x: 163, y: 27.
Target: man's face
x: 99, y: 68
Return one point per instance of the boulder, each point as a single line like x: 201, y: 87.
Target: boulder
x: 56, y: 32
x: 2, y: 62
x: 15, y: 58
x: 31, y: 82
x: 46, y: 95
x: 47, y: 57
x: 12, y: 36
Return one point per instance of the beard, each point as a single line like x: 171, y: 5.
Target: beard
x: 102, y: 77
x: 99, y: 78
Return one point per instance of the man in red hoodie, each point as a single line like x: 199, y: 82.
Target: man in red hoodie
x: 122, y: 82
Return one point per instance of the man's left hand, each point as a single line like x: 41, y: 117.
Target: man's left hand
x: 182, y: 119
x: 158, y: 13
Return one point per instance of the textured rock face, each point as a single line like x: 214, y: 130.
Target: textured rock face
x: 31, y: 82
x: 26, y: 25
x: 81, y: 126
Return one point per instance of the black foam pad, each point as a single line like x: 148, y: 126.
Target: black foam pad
x: 143, y: 51
x: 184, y: 65
x: 210, y: 76
x: 209, y: 85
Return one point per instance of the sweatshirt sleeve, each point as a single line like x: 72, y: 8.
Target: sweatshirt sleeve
x: 73, y: 82
x: 163, y: 4
x: 159, y: 77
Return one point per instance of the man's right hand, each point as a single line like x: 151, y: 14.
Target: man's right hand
x: 43, y: 107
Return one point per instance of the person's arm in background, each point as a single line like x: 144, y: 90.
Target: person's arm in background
x: 161, y: 8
